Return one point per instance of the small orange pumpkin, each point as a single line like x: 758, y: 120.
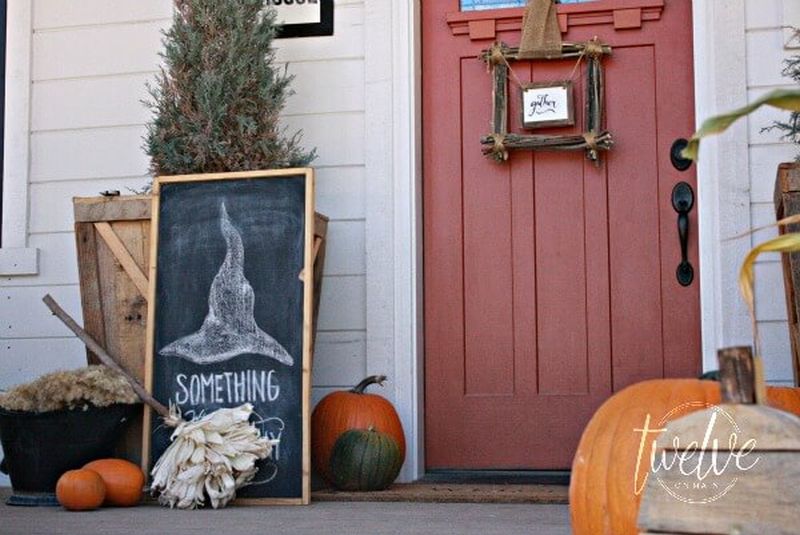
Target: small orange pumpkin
x: 80, y: 490
x: 601, y: 493
x: 123, y: 479
x: 352, y: 409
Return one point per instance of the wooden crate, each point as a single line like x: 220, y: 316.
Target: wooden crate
x: 113, y: 241
x: 787, y: 203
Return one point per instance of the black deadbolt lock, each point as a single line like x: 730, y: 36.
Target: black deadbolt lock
x: 678, y: 161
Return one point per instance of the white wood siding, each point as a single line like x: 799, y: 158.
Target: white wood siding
x: 91, y: 59
x: 765, y: 54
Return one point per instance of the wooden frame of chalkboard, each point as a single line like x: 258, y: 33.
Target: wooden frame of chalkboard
x: 260, y: 199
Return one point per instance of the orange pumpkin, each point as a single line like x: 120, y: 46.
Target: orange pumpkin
x: 80, y: 490
x: 601, y: 494
x: 784, y: 398
x: 352, y: 409
x: 123, y: 479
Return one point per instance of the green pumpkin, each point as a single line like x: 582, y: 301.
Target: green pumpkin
x: 365, y: 459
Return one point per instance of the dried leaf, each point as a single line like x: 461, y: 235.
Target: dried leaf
x: 786, y: 243
x: 786, y: 221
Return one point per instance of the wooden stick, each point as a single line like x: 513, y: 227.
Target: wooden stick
x: 603, y: 140
x: 737, y: 375
x: 568, y: 50
x: 104, y: 357
x: 500, y: 98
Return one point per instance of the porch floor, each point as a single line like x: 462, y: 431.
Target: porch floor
x: 317, y: 519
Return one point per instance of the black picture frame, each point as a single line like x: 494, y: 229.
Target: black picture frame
x: 315, y: 29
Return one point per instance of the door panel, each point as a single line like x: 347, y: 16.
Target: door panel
x: 549, y: 281
x: 634, y: 248
x: 487, y: 254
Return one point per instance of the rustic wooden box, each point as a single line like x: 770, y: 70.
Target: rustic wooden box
x: 787, y: 203
x: 113, y: 241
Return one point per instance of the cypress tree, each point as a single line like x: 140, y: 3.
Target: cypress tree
x: 217, y: 99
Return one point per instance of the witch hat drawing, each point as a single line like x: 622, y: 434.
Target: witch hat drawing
x: 230, y: 327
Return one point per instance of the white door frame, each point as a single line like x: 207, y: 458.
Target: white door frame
x: 394, y: 202
x: 723, y: 175
x: 393, y: 162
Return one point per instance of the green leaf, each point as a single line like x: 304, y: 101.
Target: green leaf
x: 785, y: 99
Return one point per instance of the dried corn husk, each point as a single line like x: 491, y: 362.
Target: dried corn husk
x: 214, y: 455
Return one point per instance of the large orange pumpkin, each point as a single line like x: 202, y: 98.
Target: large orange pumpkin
x: 351, y: 409
x: 601, y: 494
x: 784, y: 398
x: 123, y: 479
x: 80, y: 490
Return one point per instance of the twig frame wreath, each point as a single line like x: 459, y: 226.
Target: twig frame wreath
x: 500, y: 142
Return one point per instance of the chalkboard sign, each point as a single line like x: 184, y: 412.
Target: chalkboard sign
x: 230, y: 313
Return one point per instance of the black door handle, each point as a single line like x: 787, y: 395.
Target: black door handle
x: 682, y: 202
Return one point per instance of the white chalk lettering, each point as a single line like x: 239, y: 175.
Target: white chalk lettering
x: 254, y: 386
x: 181, y: 399
x: 273, y: 390
x: 207, y: 383
x: 259, y: 388
x: 239, y: 387
x: 219, y: 386
x: 195, y: 389
x: 228, y: 380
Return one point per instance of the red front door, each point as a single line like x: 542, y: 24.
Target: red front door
x: 551, y: 283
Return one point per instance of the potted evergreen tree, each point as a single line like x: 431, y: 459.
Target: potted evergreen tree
x: 217, y: 100
x: 216, y: 104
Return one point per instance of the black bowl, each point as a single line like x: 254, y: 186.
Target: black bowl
x: 39, y: 447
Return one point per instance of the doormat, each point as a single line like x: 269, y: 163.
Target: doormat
x: 432, y: 493
x: 451, y: 493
